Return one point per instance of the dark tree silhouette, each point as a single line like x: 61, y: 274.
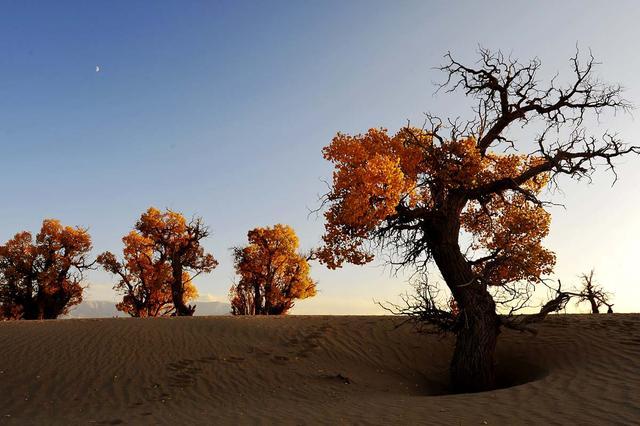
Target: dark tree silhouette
x: 593, y: 293
x: 42, y: 279
x: 414, y: 193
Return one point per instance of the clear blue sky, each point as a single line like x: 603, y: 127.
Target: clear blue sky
x: 220, y: 109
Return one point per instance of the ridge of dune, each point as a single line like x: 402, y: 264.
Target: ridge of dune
x: 579, y: 369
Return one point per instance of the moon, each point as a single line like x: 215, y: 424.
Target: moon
x: 97, y: 68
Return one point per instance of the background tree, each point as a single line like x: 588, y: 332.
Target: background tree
x: 416, y: 192
x: 162, y: 254
x: 42, y: 279
x: 593, y: 293
x: 273, y: 274
x: 145, y: 278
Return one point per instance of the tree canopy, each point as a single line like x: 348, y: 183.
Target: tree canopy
x: 162, y: 255
x: 384, y: 184
x: 273, y: 274
x: 42, y: 279
x: 144, y: 279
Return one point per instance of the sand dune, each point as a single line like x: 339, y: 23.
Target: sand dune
x: 309, y: 370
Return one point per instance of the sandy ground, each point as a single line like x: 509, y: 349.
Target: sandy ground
x: 309, y: 370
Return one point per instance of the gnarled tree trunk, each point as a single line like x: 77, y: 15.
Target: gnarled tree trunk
x: 472, y: 366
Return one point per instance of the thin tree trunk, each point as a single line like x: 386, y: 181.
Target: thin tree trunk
x: 267, y: 298
x: 257, y: 299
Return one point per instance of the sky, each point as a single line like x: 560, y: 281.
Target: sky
x: 220, y: 109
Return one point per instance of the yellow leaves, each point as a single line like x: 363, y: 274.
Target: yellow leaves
x: 169, y: 226
x: 157, y: 255
x: 190, y: 290
x: 456, y: 164
x: 340, y: 246
x: 381, y: 180
x: 272, y: 273
x: 380, y: 184
x: 137, y: 245
x: 513, y: 229
x: 56, y: 237
x: 42, y: 278
x: 368, y: 183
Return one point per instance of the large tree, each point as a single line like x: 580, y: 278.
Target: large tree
x: 273, y: 274
x: 424, y: 193
x: 162, y: 254
x: 144, y: 278
x: 42, y: 279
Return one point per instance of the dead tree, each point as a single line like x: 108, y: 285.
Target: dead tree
x: 594, y: 294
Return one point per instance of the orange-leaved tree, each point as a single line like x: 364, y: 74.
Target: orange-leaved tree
x: 162, y: 256
x: 42, y: 279
x: 415, y: 193
x: 144, y: 279
x: 273, y: 274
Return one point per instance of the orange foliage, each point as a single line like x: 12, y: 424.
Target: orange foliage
x: 272, y: 273
x: 154, y: 277
x: 145, y: 281
x: 513, y: 230
x: 41, y: 279
x: 392, y: 182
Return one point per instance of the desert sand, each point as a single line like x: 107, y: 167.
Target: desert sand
x: 579, y: 369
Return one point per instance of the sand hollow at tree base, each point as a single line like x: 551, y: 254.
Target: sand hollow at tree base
x: 580, y: 369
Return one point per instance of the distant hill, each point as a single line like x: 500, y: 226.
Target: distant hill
x: 95, y: 309
x: 107, y: 309
x: 204, y: 309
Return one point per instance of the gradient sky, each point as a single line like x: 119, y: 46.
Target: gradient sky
x: 220, y: 109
